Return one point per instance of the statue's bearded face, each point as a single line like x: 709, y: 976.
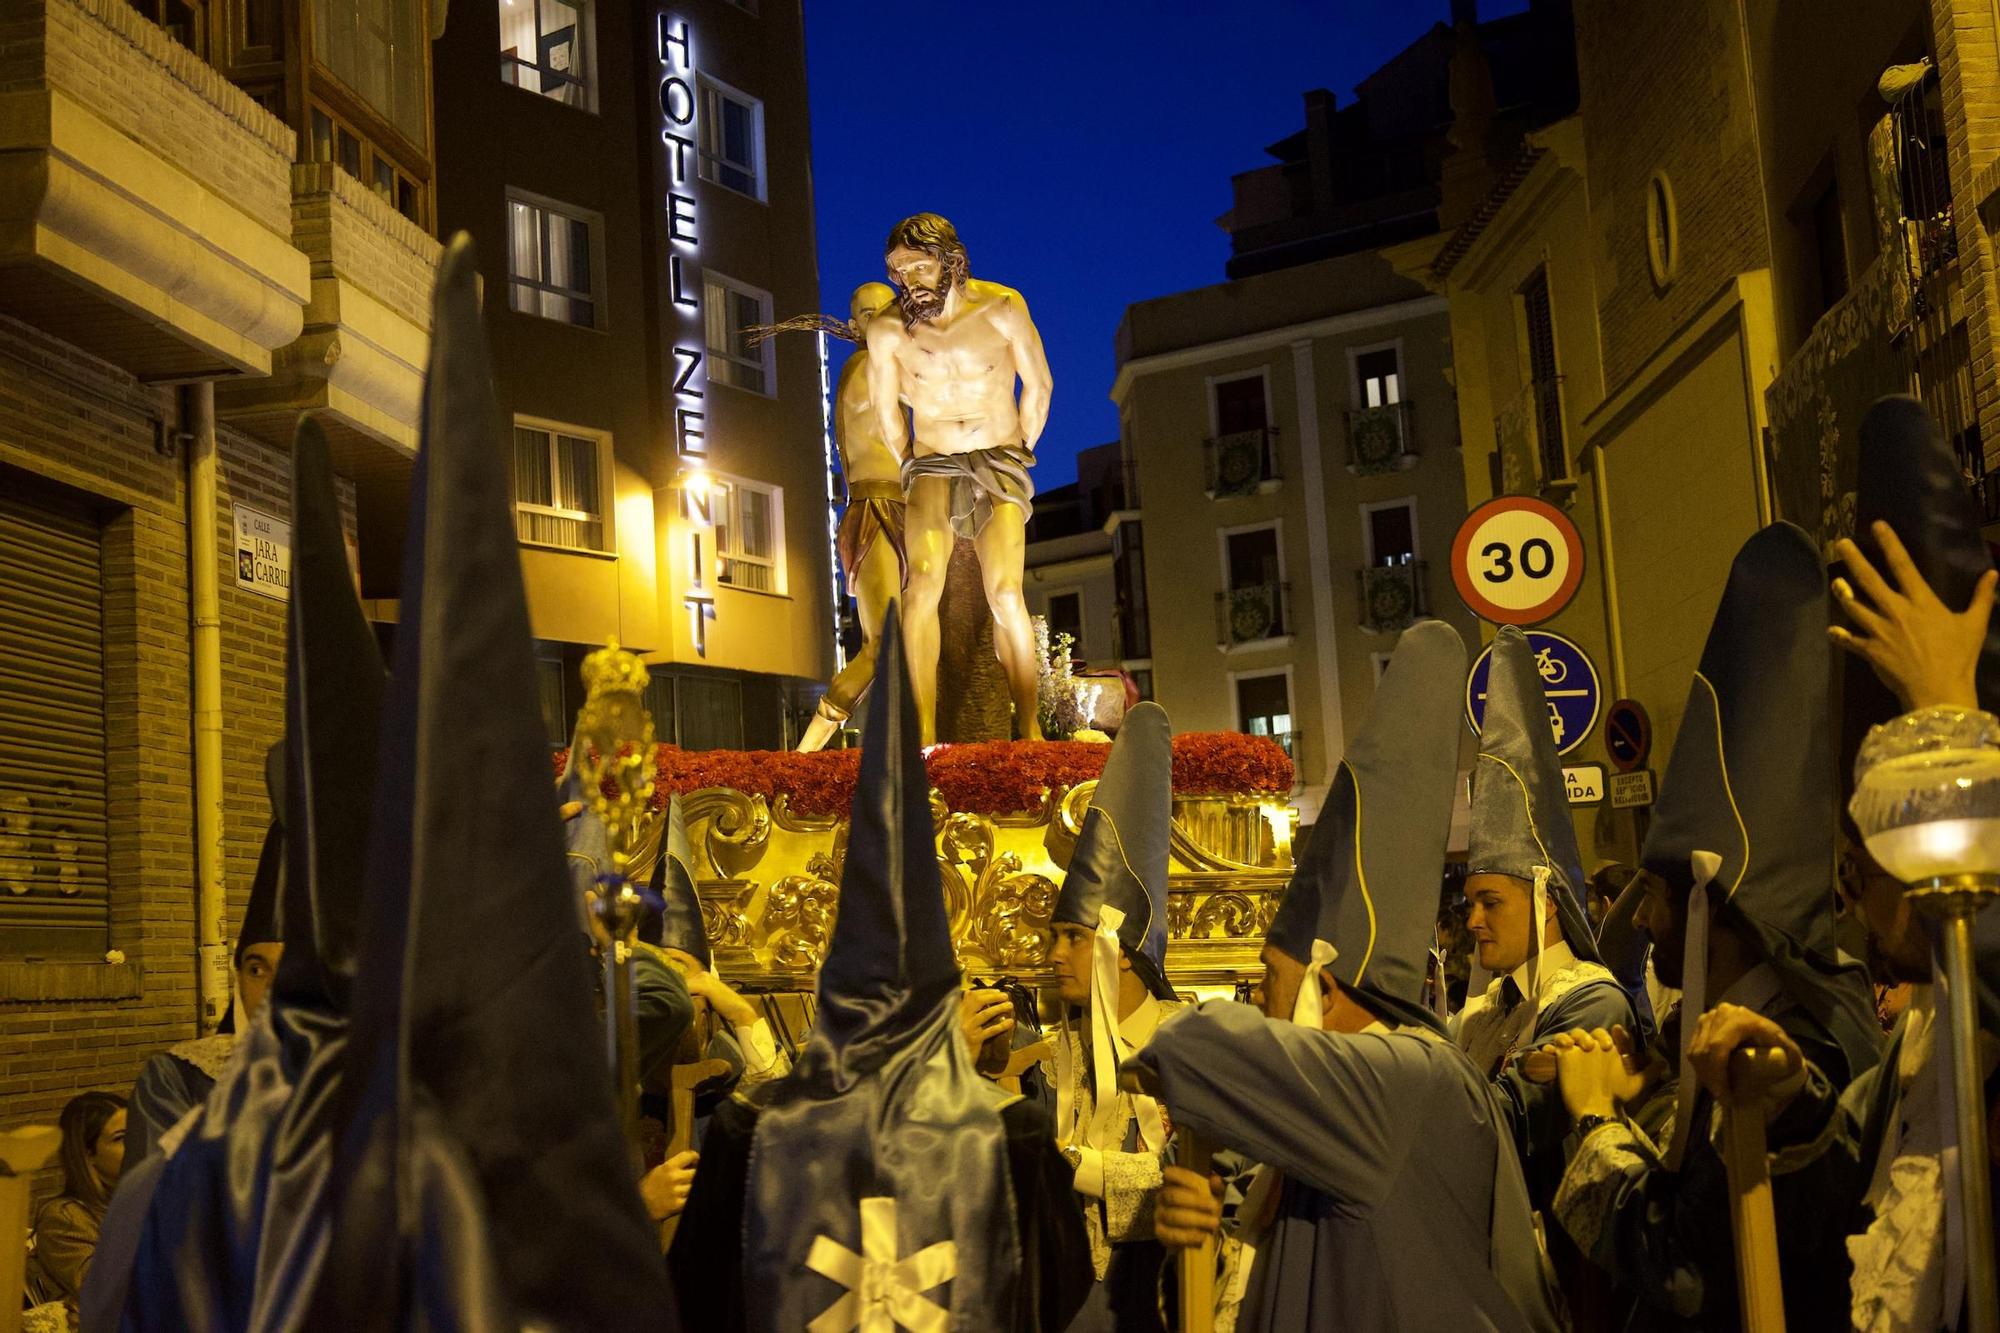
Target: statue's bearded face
x: 922, y: 283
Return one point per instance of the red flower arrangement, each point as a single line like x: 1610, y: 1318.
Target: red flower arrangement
x: 987, y: 778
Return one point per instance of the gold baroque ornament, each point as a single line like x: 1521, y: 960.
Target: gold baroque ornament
x: 999, y: 913
x: 769, y: 882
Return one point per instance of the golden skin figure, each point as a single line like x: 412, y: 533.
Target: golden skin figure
x: 871, y: 528
x: 953, y: 357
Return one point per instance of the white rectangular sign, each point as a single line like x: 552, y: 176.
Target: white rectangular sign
x: 1629, y: 791
x: 263, y: 553
x: 1585, y: 783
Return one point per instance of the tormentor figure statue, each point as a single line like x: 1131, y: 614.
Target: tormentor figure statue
x: 871, y: 527
x: 953, y: 357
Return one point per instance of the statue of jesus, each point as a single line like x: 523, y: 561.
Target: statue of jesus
x: 953, y: 356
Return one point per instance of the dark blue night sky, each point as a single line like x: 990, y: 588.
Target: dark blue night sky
x: 1083, y: 149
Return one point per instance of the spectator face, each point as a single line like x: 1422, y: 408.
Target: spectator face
x: 107, y: 1155
x: 1901, y: 950
x: 253, y: 978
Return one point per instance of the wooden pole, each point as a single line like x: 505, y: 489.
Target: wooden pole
x: 1197, y: 1265
x: 680, y: 1136
x: 1752, y: 1073
x: 22, y: 1153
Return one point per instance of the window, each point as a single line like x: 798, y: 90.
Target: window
x: 1065, y: 616
x: 1544, y: 380
x: 333, y: 140
x: 1142, y: 681
x: 1252, y: 608
x: 730, y: 310
x: 749, y: 536
x: 543, y: 48
x: 1253, y: 557
x: 179, y: 20
x: 732, y: 139
x: 1391, y: 530
x: 1239, y: 404
x: 1264, y: 706
x: 558, y: 488
x: 551, y: 681
x: 1379, y: 377
x: 380, y: 49
x: 708, y: 713
x: 54, y: 825
x: 1829, y: 241
x: 552, y: 261
x: 1663, y: 241
x: 1240, y: 459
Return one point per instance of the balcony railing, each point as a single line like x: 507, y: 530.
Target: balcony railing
x: 1393, y: 595
x: 1287, y: 740
x: 1252, y: 614
x: 1243, y: 462
x: 1381, y: 439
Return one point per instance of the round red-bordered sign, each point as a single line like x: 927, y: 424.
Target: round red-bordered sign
x: 1517, y: 560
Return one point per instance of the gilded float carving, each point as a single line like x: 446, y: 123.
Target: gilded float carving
x: 769, y: 882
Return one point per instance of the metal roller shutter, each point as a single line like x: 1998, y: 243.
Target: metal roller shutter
x: 54, y: 878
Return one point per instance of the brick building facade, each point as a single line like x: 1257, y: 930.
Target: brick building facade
x: 185, y: 266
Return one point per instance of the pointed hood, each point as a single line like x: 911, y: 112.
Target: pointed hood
x: 470, y: 975
x: 1751, y: 784
x: 889, y: 962
x: 1520, y: 804
x: 674, y: 920
x: 884, y: 1120
x: 333, y: 720
x: 1369, y: 879
x: 1120, y: 858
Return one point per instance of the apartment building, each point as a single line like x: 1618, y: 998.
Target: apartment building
x: 212, y: 217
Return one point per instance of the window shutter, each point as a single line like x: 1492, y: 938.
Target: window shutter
x: 54, y: 874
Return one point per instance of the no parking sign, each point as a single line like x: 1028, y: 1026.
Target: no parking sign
x: 1569, y: 682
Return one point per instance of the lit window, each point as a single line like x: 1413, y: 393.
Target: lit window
x: 1264, y: 707
x: 1392, y: 532
x: 1381, y: 376
x: 732, y: 139
x: 542, y: 49
x: 730, y: 310
x: 552, y: 262
x: 558, y: 488
x: 749, y: 536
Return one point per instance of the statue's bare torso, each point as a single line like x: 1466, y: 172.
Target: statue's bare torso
x: 957, y: 373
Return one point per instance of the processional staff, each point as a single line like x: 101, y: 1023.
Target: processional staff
x: 616, y: 763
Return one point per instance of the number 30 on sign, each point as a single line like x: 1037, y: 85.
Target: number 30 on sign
x: 1517, y: 560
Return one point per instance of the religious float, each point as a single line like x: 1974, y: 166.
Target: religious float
x: 769, y: 834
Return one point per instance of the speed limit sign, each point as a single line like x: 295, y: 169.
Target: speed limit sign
x: 1517, y: 560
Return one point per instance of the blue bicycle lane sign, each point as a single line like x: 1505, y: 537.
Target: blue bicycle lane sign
x: 1569, y: 682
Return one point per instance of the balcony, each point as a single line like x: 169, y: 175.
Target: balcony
x: 1254, y: 615
x: 359, y: 362
x: 1244, y: 462
x: 1392, y: 596
x: 145, y: 214
x: 1381, y: 439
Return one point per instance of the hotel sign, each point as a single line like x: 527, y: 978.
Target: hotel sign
x: 680, y: 103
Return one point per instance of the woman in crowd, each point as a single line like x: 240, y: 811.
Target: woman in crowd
x: 93, y: 1153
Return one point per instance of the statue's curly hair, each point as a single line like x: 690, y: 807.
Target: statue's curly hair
x: 936, y: 236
